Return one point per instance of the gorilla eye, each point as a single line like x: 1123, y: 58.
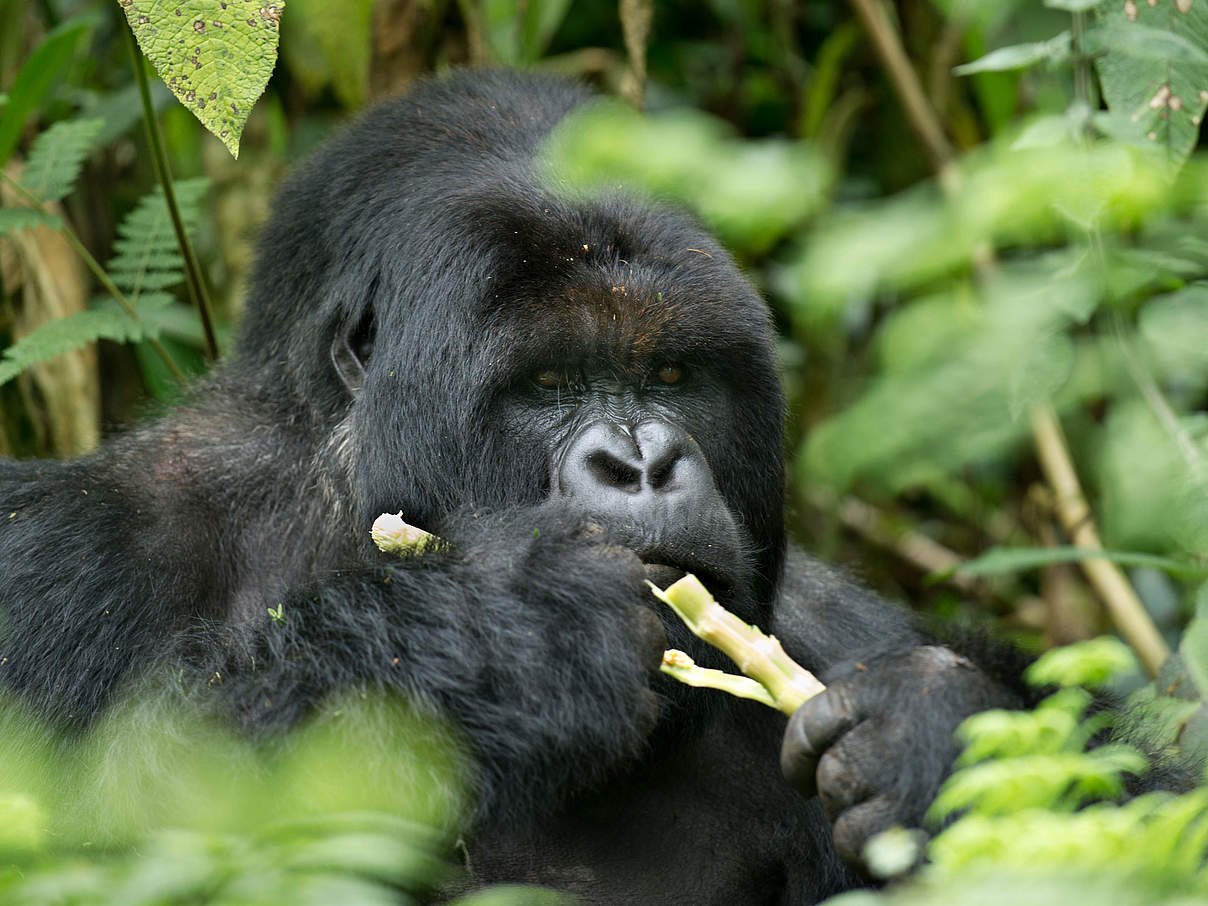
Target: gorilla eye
x: 671, y: 373
x: 549, y: 379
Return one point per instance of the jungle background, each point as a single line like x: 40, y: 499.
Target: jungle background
x: 980, y: 225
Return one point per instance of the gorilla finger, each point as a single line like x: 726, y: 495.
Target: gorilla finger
x: 652, y: 637
x: 848, y: 771
x: 860, y: 822
x: 648, y: 712
x: 811, y: 730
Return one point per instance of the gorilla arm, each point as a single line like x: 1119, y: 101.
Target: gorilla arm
x: 549, y: 695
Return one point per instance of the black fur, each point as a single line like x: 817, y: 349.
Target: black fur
x: 415, y: 276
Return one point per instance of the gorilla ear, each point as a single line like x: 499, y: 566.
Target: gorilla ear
x: 350, y: 351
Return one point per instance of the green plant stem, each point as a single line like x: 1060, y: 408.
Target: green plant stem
x: 1082, y: 64
x: 103, y: 278
x: 678, y: 665
x: 197, y: 290
x: 759, y: 656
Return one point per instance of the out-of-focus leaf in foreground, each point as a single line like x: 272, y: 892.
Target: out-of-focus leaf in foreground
x: 751, y: 192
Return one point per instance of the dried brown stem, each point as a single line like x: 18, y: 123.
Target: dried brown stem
x: 1125, y: 608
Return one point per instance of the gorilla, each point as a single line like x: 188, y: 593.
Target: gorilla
x: 575, y: 393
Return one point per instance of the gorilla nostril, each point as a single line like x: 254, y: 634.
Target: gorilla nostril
x: 611, y: 472
x: 661, y: 472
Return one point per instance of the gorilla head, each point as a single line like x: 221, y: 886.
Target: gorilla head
x: 474, y: 338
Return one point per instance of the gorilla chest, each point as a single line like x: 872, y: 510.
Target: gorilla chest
x: 701, y: 826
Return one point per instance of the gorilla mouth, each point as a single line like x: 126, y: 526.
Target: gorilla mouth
x: 663, y: 574
x: 664, y: 567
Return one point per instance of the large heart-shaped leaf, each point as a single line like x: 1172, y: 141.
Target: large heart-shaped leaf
x: 1153, y: 66
x: 215, y: 55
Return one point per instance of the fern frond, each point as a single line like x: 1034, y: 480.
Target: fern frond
x: 56, y: 158
x: 14, y: 219
x: 65, y: 334
x: 146, y: 255
x: 146, y: 262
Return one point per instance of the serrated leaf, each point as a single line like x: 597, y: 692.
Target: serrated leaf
x: 215, y: 56
x: 1092, y: 663
x: 1132, y: 39
x: 38, y: 74
x: 1018, y: 56
x: 56, y: 158
x: 14, y: 219
x: 1154, y: 73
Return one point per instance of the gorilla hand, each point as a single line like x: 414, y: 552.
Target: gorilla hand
x: 566, y: 641
x: 877, y: 744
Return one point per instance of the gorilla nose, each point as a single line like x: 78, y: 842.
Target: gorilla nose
x: 611, y: 467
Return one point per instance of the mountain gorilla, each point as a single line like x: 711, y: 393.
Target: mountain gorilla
x: 576, y: 394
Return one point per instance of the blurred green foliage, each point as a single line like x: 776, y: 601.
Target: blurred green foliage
x: 1036, y: 818
x: 159, y: 804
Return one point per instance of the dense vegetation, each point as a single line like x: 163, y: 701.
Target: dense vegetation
x: 982, y: 227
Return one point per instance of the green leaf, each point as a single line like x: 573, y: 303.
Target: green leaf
x: 57, y: 156
x: 1174, y: 329
x: 215, y: 56
x: 518, y: 31
x: 1018, y: 56
x: 14, y: 219
x: 146, y: 255
x: 329, y: 43
x: 751, y: 192
x: 1142, y: 42
x: 1043, y: 132
x: 1153, y: 69
x: 1073, y: 6
x: 1000, y: 560
x: 1091, y: 663
x: 1193, y: 648
x: 1151, y: 495
x: 541, y: 21
x: 65, y: 334
x: 1043, y: 369
x: 38, y: 74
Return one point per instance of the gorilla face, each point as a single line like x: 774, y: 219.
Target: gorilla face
x: 609, y: 360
